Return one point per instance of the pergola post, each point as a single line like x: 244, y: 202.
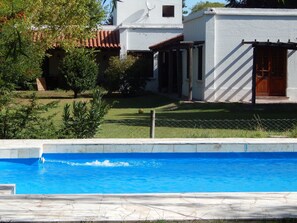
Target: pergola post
x: 160, y: 68
x: 190, y: 70
x: 179, y: 73
x: 170, y: 72
x: 254, y: 77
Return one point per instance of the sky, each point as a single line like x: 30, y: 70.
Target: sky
x: 190, y: 3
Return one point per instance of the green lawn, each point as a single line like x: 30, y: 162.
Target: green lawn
x: 177, y: 119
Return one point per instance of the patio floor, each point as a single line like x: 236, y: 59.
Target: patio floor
x: 147, y: 207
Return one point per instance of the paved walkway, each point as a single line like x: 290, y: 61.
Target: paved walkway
x: 147, y: 207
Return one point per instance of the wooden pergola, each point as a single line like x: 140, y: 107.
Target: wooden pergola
x: 285, y: 45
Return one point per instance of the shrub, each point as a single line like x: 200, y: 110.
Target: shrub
x: 125, y: 76
x: 85, y: 119
x: 80, y: 70
x: 26, y: 121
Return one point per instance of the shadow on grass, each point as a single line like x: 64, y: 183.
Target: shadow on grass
x: 146, y: 101
x: 232, y: 107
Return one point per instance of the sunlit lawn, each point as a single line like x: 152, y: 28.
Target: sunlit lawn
x: 124, y: 120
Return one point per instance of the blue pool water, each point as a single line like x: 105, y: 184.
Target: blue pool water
x: 152, y: 173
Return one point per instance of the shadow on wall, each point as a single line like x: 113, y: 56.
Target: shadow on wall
x: 138, y: 16
x: 230, y: 77
x: 291, y: 53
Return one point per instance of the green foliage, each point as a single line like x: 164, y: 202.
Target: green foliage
x: 203, y: 5
x: 80, y: 70
x: 86, y: 118
x: 262, y: 3
x: 20, y: 58
x: 125, y: 76
x: 184, y: 6
x: 26, y: 121
x: 293, y: 132
x: 21, y: 55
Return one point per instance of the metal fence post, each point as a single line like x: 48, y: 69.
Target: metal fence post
x: 152, y: 127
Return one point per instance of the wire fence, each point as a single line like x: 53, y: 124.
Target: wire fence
x: 196, y: 128
x: 224, y: 128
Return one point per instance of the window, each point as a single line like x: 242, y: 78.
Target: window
x: 168, y: 10
x: 200, y: 64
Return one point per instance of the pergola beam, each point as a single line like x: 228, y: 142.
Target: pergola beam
x: 286, y: 45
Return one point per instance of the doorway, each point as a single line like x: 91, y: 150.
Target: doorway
x: 271, y: 71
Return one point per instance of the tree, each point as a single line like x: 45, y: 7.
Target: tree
x: 125, y: 75
x: 184, y: 6
x: 262, y: 3
x: 202, y: 5
x: 80, y: 70
x: 28, y: 28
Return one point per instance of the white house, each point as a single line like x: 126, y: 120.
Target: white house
x: 233, y: 54
x: 142, y: 23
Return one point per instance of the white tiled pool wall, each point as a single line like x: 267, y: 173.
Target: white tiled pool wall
x: 35, y: 148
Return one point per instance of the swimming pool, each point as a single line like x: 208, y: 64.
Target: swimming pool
x: 152, y: 173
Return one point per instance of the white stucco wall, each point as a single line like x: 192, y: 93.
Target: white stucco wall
x: 141, y: 38
x: 146, y: 12
x: 200, y: 27
x: 292, y: 75
x: 228, y: 63
x: 141, y: 25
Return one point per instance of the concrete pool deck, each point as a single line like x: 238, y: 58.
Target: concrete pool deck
x: 145, y: 207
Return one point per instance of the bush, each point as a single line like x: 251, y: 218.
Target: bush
x: 86, y: 118
x: 80, y: 70
x: 26, y: 121
x: 125, y: 76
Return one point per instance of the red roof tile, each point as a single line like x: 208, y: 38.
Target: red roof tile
x: 102, y: 39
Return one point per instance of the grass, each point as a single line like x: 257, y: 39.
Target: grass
x: 124, y: 121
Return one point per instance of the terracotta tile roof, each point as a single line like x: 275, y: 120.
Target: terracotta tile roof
x: 168, y: 42
x: 102, y: 39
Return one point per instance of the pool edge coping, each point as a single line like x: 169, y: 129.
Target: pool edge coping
x: 35, y: 148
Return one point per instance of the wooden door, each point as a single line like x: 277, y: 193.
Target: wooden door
x: 271, y: 71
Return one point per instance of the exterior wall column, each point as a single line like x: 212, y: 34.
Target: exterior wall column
x: 124, y: 32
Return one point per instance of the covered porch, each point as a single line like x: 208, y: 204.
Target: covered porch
x: 172, y: 65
